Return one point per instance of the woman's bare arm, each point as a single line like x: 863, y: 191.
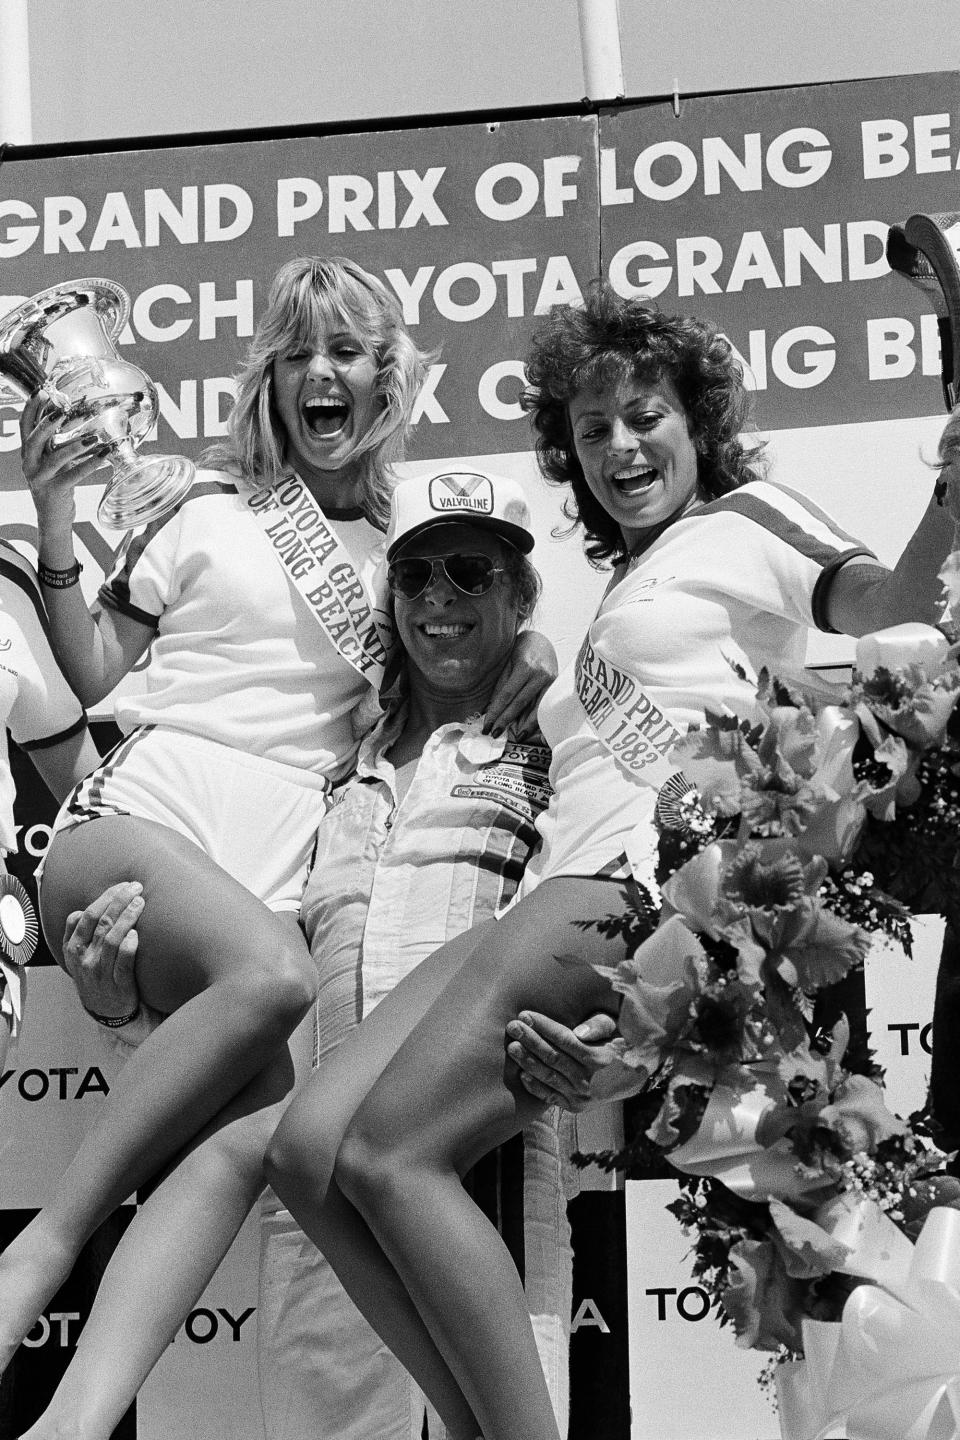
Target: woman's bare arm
x: 94, y: 649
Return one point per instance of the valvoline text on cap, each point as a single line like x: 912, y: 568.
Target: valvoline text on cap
x: 473, y: 493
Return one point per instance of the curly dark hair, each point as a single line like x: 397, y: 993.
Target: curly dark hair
x: 607, y: 340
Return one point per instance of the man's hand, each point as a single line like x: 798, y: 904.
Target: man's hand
x: 100, y: 949
x: 575, y: 1069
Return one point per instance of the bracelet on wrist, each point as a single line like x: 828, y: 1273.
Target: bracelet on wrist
x: 114, y: 1022
x: 59, y: 579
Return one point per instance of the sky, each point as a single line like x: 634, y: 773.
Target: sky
x: 102, y: 70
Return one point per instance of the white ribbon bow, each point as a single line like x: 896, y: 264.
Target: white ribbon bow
x: 890, y: 1370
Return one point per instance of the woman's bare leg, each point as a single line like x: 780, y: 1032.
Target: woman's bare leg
x: 169, y: 1254
x: 453, y: 1008
x: 300, y: 1162
x: 237, y: 980
x: 442, y: 1102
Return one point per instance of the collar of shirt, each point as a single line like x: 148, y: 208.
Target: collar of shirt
x: 478, y: 748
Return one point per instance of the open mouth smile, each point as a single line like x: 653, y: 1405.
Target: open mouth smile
x: 634, y: 479
x: 326, y: 415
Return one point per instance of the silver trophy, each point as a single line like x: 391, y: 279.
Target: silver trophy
x: 63, y: 341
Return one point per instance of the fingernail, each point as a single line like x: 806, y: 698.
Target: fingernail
x: 496, y: 732
x: 525, y: 1018
x: 514, y: 1029
x: 88, y: 440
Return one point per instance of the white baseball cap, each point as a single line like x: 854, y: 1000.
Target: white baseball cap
x: 459, y: 497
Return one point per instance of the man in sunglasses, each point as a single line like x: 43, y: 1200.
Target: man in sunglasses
x: 429, y: 837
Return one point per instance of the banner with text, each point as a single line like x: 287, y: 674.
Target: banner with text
x: 767, y: 212
x: 478, y: 228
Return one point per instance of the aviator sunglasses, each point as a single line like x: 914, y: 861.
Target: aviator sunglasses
x: 470, y: 574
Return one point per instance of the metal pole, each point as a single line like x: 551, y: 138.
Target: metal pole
x: 600, y: 46
x: 15, y: 117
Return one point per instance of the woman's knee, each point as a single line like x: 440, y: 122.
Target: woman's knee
x: 357, y: 1169
x: 299, y: 1156
x: 370, y: 1172
x: 280, y: 980
x: 296, y: 971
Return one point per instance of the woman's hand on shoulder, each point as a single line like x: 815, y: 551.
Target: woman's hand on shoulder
x: 531, y: 669
x: 53, y: 471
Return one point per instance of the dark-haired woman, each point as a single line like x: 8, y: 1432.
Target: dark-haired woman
x: 715, y: 571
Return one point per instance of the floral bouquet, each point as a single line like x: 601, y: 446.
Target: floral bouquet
x: 826, y: 819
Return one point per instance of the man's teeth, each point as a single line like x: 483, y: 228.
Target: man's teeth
x: 445, y: 630
x: 644, y: 474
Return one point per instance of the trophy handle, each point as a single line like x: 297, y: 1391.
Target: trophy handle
x: 927, y: 250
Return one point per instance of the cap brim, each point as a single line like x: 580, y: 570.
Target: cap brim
x: 515, y: 535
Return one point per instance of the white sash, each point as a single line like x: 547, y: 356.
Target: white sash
x: 318, y: 564
x: 624, y: 719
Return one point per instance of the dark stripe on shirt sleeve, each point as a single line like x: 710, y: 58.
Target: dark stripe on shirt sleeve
x: 821, y: 591
x: 761, y: 512
x: 115, y: 593
x: 57, y: 739
x: 116, y: 596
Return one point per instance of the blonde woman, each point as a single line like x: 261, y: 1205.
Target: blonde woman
x: 242, y: 722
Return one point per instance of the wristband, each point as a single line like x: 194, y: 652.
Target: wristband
x: 59, y: 579
x: 114, y: 1022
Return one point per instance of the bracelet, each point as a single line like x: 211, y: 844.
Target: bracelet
x: 59, y: 579
x: 114, y: 1022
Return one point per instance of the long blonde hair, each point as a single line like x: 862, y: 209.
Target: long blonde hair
x: 309, y: 295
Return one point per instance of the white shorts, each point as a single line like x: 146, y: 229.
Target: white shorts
x: 255, y: 818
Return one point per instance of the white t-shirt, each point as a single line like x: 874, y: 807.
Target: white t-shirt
x: 237, y: 657
x: 36, y: 703
x: 733, y: 585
